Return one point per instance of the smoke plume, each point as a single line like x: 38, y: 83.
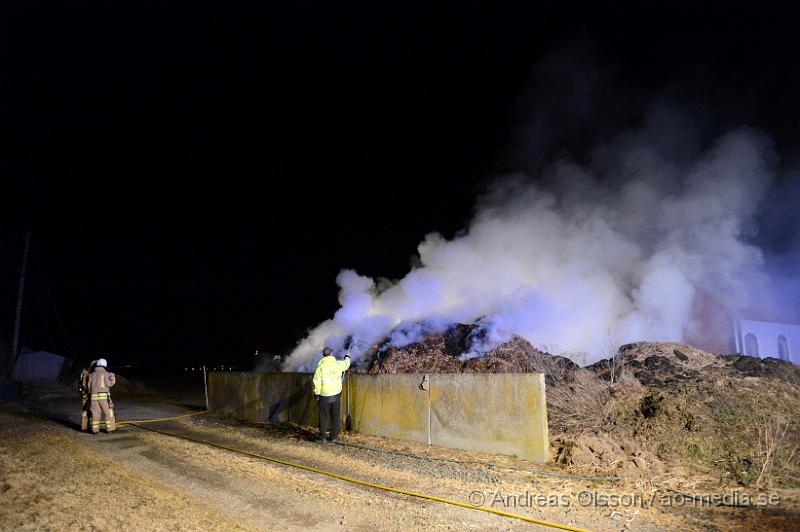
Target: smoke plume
x: 652, y: 236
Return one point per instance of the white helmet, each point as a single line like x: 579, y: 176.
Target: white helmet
x: 102, y: 363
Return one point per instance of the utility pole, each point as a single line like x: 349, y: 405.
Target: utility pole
x: 15, y: 343
x: 205, y: 385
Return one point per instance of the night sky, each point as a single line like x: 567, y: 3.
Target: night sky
x: 195, y: 177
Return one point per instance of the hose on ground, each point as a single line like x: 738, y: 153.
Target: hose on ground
x: 539, y: 472
x: 535, y: 472
x: 123, y: 422
x: 368, y: 484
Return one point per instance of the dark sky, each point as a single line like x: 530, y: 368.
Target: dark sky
x: 195, y: 177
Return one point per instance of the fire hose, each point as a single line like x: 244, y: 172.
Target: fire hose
x: 414, y: 494
x: 361, y: 482
x: 134, y: 421
x: 137, y: 422
x: 124, y: 422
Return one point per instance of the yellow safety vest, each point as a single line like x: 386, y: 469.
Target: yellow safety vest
x: 328, y: 376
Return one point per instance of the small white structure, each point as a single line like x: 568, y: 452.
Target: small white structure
x: 768, y: 339
x: 38, y: 365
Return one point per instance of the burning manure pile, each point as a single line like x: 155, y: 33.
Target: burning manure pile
x: 458, y: 349
x: 652, y: 410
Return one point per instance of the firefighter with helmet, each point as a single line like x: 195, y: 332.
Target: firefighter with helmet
x: 99, y: 386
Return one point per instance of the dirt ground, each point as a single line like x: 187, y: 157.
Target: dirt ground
x: 53, y: 477
x: 663, y: 412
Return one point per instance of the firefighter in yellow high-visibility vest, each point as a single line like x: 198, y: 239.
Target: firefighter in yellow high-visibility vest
x: 328, y: 391
x: 100, y: 382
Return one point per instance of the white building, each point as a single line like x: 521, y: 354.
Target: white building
x: 39, y: 365
x: 768, y: 339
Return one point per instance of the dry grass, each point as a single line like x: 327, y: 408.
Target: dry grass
x: 50, y: 481
x: 579, y: 400
x: 581, y: 404
x: 775, y: 449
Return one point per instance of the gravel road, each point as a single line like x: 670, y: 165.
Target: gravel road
x: 52, y: 476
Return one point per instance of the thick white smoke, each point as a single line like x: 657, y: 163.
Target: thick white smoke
x: 637, y: 244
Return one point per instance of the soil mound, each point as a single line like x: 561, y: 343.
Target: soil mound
x: 665, y: 363
x: 653, y: 409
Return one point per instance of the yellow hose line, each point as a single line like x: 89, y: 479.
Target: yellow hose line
x: 122, y: 422
x: 130, y: 421
x: 370, y: 484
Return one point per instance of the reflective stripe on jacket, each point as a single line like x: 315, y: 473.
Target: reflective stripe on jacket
x: 328, y: 376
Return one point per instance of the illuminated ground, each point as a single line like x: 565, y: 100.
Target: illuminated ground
x: 54, y: 477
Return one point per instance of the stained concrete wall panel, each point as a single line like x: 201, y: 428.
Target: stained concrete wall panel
x: 302, y: 405
x: 497, y: 413
x: 225, y: 396
x: 494, y: 413
x: 285, y: 397
x: 254, y: 406
x: 366, y: 403
x: 392, y: 406
x: 277, y: 391
x: 405, y: 408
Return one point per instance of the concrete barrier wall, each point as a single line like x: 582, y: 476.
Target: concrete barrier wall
x: 225, y: 394
x: 503, y: 413
x: 274, y: 397
x: 494, y: 413
x: 393, y: 406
